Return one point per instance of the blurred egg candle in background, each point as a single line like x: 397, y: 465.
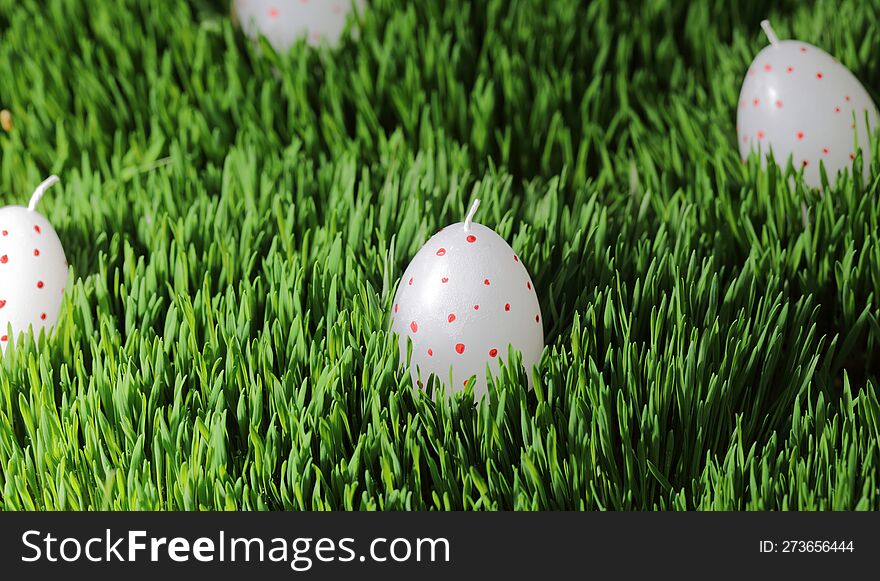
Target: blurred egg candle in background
x: 464, y: 299
x: 283, y: 22
x: 33, y: 269
x: 800, y: 102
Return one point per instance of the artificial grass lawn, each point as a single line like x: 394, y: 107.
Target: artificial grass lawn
x: 236, y: 223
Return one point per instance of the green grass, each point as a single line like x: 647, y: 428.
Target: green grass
x: 237, y: 220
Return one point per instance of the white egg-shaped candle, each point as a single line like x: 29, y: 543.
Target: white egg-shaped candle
x: 465, y: 298
x: 284, y: 22
x: 802, y: 104
x: 33, y: 269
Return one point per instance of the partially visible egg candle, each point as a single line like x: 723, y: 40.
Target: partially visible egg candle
x: 284, y: 22
x: 33, y: 269
x: 802, y: 104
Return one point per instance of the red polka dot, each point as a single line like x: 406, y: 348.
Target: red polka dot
x: 43, y: 316
x: 396, y: 307
x: 2, y: 304
x: 760, y: 135
x: 825, y: 150
x: 819, y: 75
x: 837, y: 109
x: 486, y: 282
x: 441, y: 252
x: 40, y: 284
x: 803, y: 49
x: 800, y: 135
x: 37, y: 229
x: 3, y: 338
x: 507, y: 308
x: 430, y: 352
x: 848, y: 99
x: 755, y: 102
x: 476, y: 307
x: 529, y: 285
x: 451, y: 317
x: 6, y: 233
x: 515, y: 258
x: 36, y: 251
x: 789, y: 69
x: 768, y: 68
x: 806, y: 163
x: 4, y: 259
x: 852, y: 156
x: 444, y: 280
x: 779, y: 104
x: 493, y: 352
x: 537, y: 318
x: 414, y: 326
x: 459, y: 348
x: 410, y: 281
x: 471, y: 238
x: 273, y: 12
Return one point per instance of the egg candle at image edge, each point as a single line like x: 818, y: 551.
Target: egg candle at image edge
x: 283, y: 22
x: 800, y: 102
x: 33, y: 269
x: 463, y: 300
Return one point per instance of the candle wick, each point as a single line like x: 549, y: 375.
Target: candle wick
x: 470, y: 215
x: 768, y: 30
x: 41, y: 189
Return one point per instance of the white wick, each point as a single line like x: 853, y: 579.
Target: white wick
x: 768, y: 30
x: 41, y: 189
x: 470, y: 215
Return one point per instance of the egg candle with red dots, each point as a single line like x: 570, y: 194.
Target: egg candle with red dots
x: 283, y: 22
x: 465, y: 298
x: 801, y: 103
x: 33, y: 269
